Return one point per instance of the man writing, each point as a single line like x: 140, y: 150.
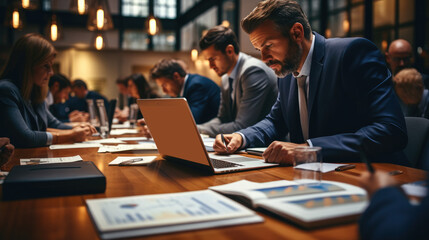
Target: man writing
x: 333, y: 93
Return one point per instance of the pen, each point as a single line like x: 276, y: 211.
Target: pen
x: 130, y: 161
x: 365, y: 160
x: 395, y: 172
x: 223, y: 141
x: 345, y: 167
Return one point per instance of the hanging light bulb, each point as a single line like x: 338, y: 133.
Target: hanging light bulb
x: 25, y: 3
x: 15, y: 19
x: 99, y: 41
x: 194, y: 54
x: 79, y: 6
x: 153, y: 25
x: 54, y: 28
x: 99, y: 17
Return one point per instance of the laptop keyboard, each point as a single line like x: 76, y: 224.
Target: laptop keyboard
x: 223, y: 164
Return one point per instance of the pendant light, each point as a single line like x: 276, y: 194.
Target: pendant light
x: 99, y: 40
x: 79, y: 6
x: 29, y: 4
x: 153, y: 25
x: 54, y: 29
x: 14, y: 17
x: 99, y: 17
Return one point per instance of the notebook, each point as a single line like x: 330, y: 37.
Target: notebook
x: 175, y: 133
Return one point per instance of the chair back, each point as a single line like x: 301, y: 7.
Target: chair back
x: 418, y: 141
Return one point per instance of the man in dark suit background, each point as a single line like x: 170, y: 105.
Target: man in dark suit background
x: 344, y: 103
x: 249, y: 87
x: 81, y: 94
x: 201, y: 93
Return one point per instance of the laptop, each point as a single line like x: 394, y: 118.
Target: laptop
x: 176, y: 136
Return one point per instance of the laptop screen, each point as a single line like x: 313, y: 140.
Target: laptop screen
x: 173, y: 129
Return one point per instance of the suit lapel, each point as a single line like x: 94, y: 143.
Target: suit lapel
x: 315, y: 72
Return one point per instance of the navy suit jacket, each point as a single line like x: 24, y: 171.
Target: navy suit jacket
x: 391, y: 216
x: 351, y: 104
x: 23, y: 123
x: 203, y: 96
x: 75, y: 103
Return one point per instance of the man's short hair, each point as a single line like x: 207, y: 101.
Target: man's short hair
x: 409, y: 85
x: 79, y: 83
x: 220, y: 37
x: 62, y: 81
x: 166, y: 68
x: 284, y: 13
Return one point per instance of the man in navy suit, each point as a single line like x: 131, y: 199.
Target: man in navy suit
x: 344, y: 102
x: 390, y: 214
x: 202, y: 94
x: 81, y: 92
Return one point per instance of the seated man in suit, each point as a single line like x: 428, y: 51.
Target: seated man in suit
x: 249, y: 88
x: 59, y: 90
x: 390, y: 214
x: 201, y: 93
x: 399, y: 56
x: 81, y: 94
x: 6, y: 150
x: 334, y: 93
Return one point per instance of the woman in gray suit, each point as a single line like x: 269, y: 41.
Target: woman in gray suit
x: 23, y: 89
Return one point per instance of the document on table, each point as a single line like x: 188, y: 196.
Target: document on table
x: 123, y: 131
x: 163, y: 213
x: 75, y: 145
x: 35, y: 161
x: 127, y: 147
x: 3, y: 176
x: 121, y: 126
x: 326, y: 167
x: 145, y: 139
x: 208, y: 143
x: 417, y: 189
x: 133, y: 160
x: 106, y: 140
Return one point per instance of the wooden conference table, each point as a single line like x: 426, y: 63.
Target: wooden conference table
x: 67, y: 217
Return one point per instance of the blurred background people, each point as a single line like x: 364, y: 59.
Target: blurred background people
x: 414, y: 99
x: 122, y: 111
x: 202, y: 94
x: 400, y: 56
x: 139, y: 88
x: 59, y: 91
x: 81, y: 94
x: 25, y: 119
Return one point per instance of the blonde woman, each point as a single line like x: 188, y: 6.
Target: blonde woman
x: 23, y: 89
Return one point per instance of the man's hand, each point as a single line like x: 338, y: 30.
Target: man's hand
x: 232, y: 141
x: 281, y: 152
x: 77, y: 116
x: 373, y: 182
x: 145, y: 129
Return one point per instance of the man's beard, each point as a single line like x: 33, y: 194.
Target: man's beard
x: 291, y: 61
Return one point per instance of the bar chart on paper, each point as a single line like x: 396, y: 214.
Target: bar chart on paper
x: 163, y: 209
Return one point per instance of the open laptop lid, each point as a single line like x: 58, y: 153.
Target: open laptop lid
x: 173, y: 129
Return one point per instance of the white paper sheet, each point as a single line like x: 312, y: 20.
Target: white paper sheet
x: 75, y: 145
x: 136, y: 160
x: 123, y: 131
x: 106, y: 140
x: 417, y: 189
x: 128, y: 147
x: 35, y: 161
x: 326, y: 167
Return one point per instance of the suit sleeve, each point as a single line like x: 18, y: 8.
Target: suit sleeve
x: 366, y: 77
x: 391, y: 216
x: 53, y: 122
x: 197, y: 100
x: 13, y: 124
x: 254, y: 85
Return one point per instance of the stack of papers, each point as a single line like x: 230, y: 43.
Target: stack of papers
x: 35, y: 161
x: 106, y: 140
